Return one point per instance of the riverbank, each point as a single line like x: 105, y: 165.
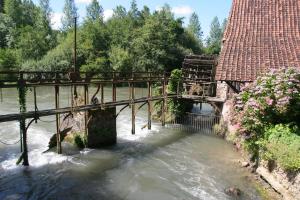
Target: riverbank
x: 272, y: 181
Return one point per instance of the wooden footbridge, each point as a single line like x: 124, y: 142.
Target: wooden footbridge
x: 74, y: 80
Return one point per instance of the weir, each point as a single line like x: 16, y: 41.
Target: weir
x: 98, y: 117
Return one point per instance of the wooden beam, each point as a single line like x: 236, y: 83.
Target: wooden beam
x: 58, y: 136
x: 132, y: 109
x: 231, y: 85
x: 149, y: 106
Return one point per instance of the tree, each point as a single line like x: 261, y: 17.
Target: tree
x: 119, y: 12
x: 13, y: 9
x: 1, y: 6
x: 224, y: 24
x: 194, y: 26
x: 215, y: 37
x: 7, y: 27
x: 8, y: 60
x: 46, y: 9
x: 94, y: 11
x: 121, y: 60
x: 145, y: 13
x: 30, y: 13
x: 31, y: 43
x: 93, y: 40
x: 134, y: 11
x: 70, y: 13
x: 43, y: 22
x: 157, y: 45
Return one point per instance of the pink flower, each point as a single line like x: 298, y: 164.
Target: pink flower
x: 269, y: 101
x: 237, y: 126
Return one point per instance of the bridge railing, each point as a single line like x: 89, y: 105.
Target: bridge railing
x: 10, y: 78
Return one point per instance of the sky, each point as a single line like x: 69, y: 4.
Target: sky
x: 206, y: 9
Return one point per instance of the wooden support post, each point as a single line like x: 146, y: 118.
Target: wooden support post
x: 132, y: 108
x: 22, y: 101
x: 1, y: 95
x: 149, y: 105
x: 163, y: 109
x: 58, y: 136
x: 35, y: 103
x: 86, y: 98
x: 114, y: 93
x: 102, y: 94
x: 114, y: 89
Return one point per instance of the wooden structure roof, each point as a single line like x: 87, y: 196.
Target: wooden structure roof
x: 261, y: 34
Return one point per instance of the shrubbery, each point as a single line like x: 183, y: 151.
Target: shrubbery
x: 176, y: 107
x: 271, y: 100
x: 282, y: 144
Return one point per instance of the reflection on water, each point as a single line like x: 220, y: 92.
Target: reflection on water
x: 160, y: 164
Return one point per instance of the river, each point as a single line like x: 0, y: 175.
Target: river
x: 161, y: 164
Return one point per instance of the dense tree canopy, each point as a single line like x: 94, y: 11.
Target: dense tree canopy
x: 131, y: 39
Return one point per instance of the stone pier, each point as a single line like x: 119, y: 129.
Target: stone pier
x: 102, y: 129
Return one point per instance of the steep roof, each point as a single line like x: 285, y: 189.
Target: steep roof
x: 261, y: 34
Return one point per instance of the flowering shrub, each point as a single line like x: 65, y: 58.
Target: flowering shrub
x: 272, y: 99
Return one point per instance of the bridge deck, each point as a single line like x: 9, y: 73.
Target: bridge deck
x: 204, y: 98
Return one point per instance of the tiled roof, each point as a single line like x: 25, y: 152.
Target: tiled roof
x: 261, y: 34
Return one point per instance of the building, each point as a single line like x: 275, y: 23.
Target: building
x: 260, y: 35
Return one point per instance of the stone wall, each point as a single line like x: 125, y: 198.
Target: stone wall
x: 288, y: 185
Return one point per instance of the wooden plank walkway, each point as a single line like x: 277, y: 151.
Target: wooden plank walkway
x: 204, y: 98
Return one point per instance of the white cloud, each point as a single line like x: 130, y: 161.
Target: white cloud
x: 158, y: 8
x: 182, y: 10
x: 108, y: 14
x: 56, y: 20
x: 178, y: 10
x: 83, y: 1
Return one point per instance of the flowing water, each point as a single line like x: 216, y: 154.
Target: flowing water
x: 160, y: 164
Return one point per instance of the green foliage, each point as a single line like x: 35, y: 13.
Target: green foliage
x: 271, y: 100
x: 1, y: 6
x: 7, y: 27
x: 175, y: 83
x: 282, y: 144
x: 157, y: 44
x: 215, y: 37
x: 8, y: 60
x: 58, y: 59
x: 137, y: 40
x: 94, y: 11
x: 100, y: 64
x: 31, y: 44
x: 194, y: 26
x: 121, y: 60
x: 13, y: 9
x: 70, y: 12
x: 45, y: 9
x: 79, y: 141
x: 177, y: 107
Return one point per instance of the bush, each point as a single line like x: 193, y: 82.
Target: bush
x: 271, y: 100
x: 282, y: 144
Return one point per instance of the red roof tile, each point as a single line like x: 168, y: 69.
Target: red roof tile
x: 261, y: 34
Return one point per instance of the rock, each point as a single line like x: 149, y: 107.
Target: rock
x: 233, y: 191
x: 245, y: 164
